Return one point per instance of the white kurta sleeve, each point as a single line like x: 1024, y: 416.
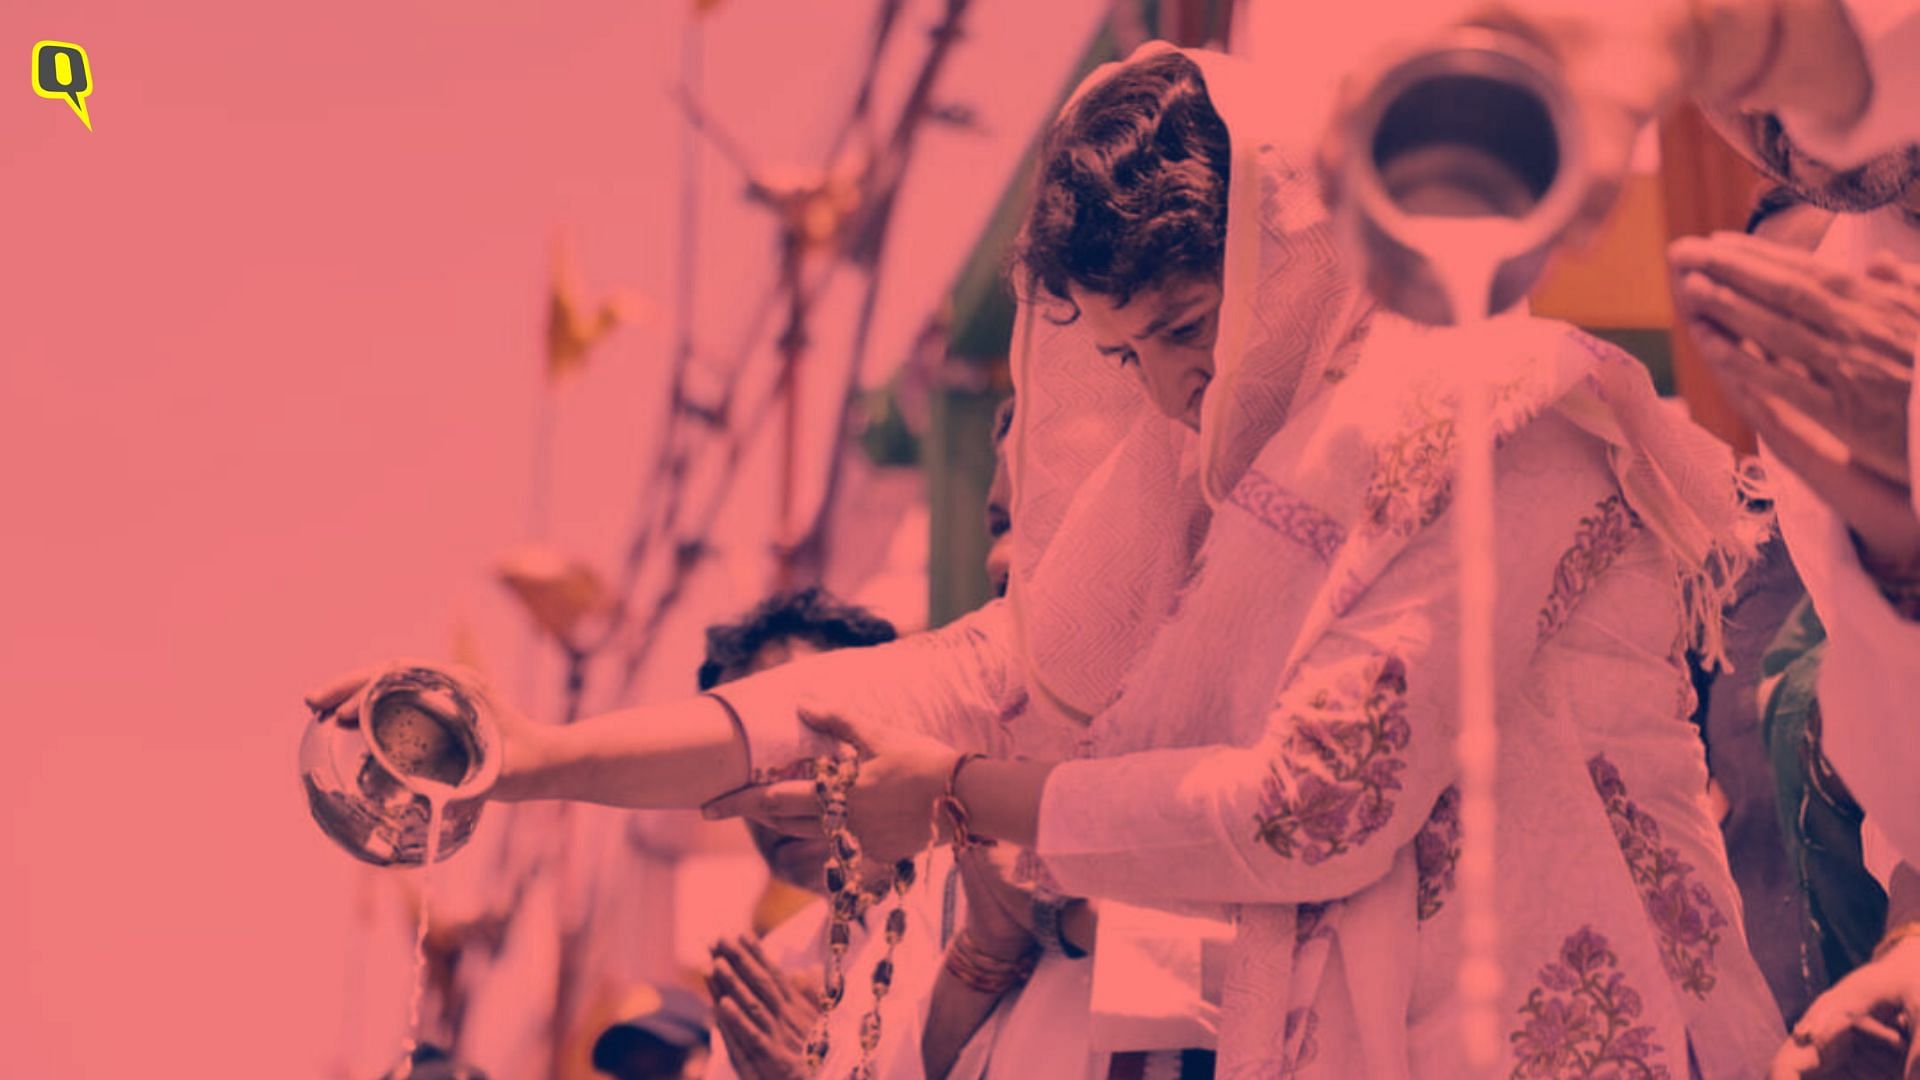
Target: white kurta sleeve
x: 950, y: 683
x: 1889, y: 31
x: 1357, y: 746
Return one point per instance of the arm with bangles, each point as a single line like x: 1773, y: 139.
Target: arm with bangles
x: 1009, y: 926
x: 990, y: 957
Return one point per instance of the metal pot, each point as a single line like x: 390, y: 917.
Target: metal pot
x: 419, y: 738
x: 1480, y: 125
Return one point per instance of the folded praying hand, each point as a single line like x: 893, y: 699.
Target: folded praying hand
x: 1819, y: 361
x: 763, y: 1015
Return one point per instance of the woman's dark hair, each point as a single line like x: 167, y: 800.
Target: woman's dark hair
x: 1132, y: 189
x: 811, y: 615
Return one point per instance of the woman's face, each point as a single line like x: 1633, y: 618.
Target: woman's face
x: 1165, y: 336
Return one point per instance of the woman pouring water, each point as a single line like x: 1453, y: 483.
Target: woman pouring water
x: 1234, y: 619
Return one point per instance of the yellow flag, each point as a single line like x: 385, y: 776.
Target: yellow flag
x: 574, y: 324
x: 561, y: 595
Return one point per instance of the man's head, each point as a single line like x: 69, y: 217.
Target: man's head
x: 430, y: 1062
x: 664, y: 1039
x: 1000, y: 504
x: 786, y: 627
x: 1129, y: 224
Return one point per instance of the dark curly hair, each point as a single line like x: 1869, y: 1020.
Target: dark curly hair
x: 811, y: 615
x: 1132, y: 189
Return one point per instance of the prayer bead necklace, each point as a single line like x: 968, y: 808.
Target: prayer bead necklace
x: 833, y: 779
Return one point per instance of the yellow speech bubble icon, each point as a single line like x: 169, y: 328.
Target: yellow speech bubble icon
x: 60, y: 70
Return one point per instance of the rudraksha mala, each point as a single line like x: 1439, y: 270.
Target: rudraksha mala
x: 833, y: 780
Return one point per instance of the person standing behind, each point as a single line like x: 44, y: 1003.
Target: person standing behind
x: 766, y: 992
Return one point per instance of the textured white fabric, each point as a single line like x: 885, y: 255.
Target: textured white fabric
x: 1145, y: 973
x: 1206, y: 735
x: 1038, y: 1030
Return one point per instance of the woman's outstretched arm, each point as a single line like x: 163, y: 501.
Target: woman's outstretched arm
x: 672, y: 756
x: 684, y: 753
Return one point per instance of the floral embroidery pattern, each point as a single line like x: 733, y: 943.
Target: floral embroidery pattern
x: 1580, y: 1019
x: 1602, y: 536
x: 1289, y: 515
x: 1412, y: 481
x: 1332, y: 788
x: 1681, y: 909
x: 1436, y: 850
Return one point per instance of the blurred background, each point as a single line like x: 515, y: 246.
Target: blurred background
x: 533, y: 335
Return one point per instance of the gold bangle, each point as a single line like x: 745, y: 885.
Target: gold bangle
x: 985, y: 974
x: 949, y: 806
x: 739, y: 729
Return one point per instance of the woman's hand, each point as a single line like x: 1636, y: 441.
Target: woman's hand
x: 1863, y: 1025
x: 890, y: 809
x: 524, y: 742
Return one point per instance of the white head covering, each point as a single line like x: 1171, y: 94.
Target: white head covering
x: 1110, y: 497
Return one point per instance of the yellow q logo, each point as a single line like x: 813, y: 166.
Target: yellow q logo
x: 60, y: 70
